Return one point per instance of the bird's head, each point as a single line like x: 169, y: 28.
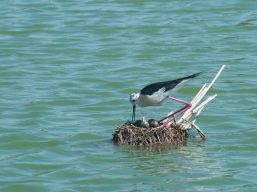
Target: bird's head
x: 133, y: 100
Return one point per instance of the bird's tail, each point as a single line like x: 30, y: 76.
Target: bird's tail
x: 182, y: 80
x: 191, y: 76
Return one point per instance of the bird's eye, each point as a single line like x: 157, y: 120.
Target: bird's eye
x: 133, y: 100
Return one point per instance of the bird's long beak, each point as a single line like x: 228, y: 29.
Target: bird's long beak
x: 134, y: 113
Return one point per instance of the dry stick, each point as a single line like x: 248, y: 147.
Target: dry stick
x: 199, y: 131
x: 199, y: 94
x: 199, y: 97
x: 193, y: 102
x: 212, y: 82
x: 203, y: 92
x: 196, y: 110
x: 199, y: 108
x: 202, y: 105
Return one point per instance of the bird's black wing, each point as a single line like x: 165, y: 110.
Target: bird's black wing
x: 166, y: 85
x: 154, y: 87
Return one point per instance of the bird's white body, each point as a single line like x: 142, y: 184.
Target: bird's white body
x: 151, y: 100
x: 146, y: 100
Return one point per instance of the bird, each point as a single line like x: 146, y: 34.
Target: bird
x: 156, y: 93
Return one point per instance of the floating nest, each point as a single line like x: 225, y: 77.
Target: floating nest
x: 147, y: 134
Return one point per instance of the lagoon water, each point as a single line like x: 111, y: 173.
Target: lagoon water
x: 68, y: 67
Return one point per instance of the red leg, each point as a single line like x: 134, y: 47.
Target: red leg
x: 175, y: 114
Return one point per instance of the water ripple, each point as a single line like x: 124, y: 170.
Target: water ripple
x: 67, y: 69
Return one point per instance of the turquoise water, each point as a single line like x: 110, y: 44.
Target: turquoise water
x: 68, y: 67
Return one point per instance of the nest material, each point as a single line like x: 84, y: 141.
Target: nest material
x: 140, y: 136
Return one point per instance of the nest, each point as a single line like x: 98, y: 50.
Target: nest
x: 147, y: 136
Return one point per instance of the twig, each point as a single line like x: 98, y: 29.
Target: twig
x: 199, y: 131
x: 191, y: 114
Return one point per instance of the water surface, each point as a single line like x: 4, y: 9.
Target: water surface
x: 67, y: 69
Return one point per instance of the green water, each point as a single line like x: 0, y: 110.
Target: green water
x: 68, y: 67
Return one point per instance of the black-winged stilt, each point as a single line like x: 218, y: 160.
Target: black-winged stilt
x: 156, y: 93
